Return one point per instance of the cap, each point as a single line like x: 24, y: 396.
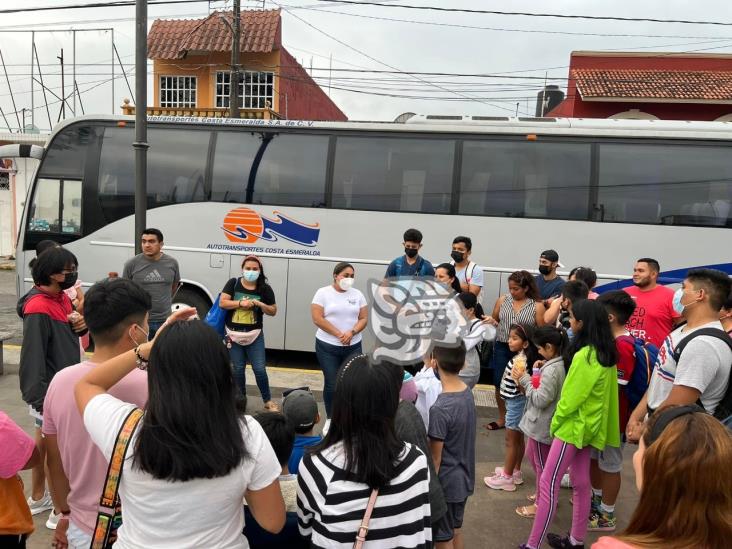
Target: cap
x: 300, y: 408
x: 550, y: 255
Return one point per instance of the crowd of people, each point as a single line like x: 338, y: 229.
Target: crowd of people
x: 157, y: 414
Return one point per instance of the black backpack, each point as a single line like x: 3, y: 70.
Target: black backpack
x: 723, y: 411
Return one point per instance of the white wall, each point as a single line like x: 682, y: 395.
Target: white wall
x: 14, y: 199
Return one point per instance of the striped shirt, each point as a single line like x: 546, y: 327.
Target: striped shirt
x: 330, y: 508
x: 509, y: 388
x: 507, y: 316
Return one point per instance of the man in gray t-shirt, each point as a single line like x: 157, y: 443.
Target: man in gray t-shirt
x: 158, y: 273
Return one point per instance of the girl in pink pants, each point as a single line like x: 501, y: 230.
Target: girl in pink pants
x: 586, y: 416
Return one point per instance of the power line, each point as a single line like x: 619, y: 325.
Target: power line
x: 370, y: 56
x: 529, y: 14
x: 114, y: 4
x: 503, y: 29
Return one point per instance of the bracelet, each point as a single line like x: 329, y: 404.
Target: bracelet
x: 139, y: 360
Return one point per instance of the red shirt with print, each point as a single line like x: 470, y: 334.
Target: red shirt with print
x: 654, y: 315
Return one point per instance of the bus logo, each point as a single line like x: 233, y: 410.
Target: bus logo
x: 245, y: 226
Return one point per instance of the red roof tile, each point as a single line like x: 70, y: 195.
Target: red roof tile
x: 654, y: 84
x: 174, y: 38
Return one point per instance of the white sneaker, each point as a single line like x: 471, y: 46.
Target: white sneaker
x: 38, y: 506
x: 52, y: 521
x: 566, y: 483
x: 326, y: 426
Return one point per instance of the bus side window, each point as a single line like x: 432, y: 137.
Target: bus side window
x: 393, y: 174
x: 669, y: 184
x: 525, y: 179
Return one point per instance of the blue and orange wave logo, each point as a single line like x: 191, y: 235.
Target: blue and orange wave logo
x: 245, y: 226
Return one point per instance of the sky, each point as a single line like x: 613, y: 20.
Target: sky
x: 531, y: 50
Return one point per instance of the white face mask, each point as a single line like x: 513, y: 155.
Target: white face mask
x: 345, y: 283
x: 146, y: 334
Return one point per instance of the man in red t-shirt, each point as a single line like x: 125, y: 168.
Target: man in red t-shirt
x: 606, y: 465
x: 654, y: 316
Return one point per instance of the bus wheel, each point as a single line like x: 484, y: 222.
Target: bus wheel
x: 191, y: 298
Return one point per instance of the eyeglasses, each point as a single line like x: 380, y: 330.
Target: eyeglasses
x: 665, y: 417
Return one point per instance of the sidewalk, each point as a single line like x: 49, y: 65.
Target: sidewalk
x: 490, y: 520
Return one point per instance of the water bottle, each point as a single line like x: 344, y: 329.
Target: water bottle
x: 536, y: 377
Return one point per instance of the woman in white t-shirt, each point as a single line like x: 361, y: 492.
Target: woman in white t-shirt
x: 194, y: 456
x: 339, y: 312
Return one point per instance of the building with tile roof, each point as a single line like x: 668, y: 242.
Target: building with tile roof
x: 191, y: 66
x: 667, y: 86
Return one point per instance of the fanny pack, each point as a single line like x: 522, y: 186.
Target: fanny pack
x: 109, y: 517
x: 243, y: 338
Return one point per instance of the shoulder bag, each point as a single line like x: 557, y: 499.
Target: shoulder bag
x: 363, y: 530
x: 109, y: 517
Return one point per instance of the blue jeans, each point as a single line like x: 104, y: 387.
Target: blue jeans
x: 153, y: 327
x: 255, y: 355
x: 331, y: 358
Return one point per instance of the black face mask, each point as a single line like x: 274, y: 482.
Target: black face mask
x: 545, y: 269
x: 69, y: 280
x: 456, y: 256
x: 411, y: 252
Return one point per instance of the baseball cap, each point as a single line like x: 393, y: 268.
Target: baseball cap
x: 551, y: 255
x: 300, y: 408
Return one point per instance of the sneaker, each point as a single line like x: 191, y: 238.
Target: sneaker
x: 518, y: 477
x: 595, y: 505
x: 566, y: 483
x: 500, y: 482
x: 326, y: 426
x: 602, y: 522
x: 52, y: 521
x: 38, y: 506
x: 562, y: 542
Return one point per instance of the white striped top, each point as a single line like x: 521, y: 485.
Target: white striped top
x: 507, y: 316
x: 330, y: 508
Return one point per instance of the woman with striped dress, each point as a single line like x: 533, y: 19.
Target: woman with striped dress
x: 521, y: 305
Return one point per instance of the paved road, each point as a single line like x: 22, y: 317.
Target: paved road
x: 490, y: 520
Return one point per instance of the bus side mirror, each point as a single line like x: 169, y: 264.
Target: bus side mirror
x: 21, y: 151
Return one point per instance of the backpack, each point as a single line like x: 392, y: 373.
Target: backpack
x: 723, y: 411
x: 645, y: 358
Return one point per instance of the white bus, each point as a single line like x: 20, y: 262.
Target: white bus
x: 304, y: 195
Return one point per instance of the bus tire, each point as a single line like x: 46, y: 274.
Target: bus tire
x: 192, y: 298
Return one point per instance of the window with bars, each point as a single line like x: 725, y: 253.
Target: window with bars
x: 255, y: 89
x: 178, y: 91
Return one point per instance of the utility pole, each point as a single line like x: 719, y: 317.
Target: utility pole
x: 63, y: 87
x: 234, y: 74
x: 140, y: 145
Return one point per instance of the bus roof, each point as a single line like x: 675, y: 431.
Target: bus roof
x: 601, y: 127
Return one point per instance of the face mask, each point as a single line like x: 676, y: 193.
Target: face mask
x: 250, y: 276
x: 457, y: 257
x: 146, y: 334
x: 545, y: 269
x: 678, y: 306
x: 411, y: 252
x: 345, y: 283
x: 69, y: 280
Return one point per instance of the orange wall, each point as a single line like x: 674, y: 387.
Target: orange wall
x: 204, y: 67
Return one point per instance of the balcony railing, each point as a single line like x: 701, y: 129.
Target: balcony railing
x: 203, y: 112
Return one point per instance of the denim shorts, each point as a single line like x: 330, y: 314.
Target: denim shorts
x: 610, y: 460
x: 444, y: 528
x: 514, y: 411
